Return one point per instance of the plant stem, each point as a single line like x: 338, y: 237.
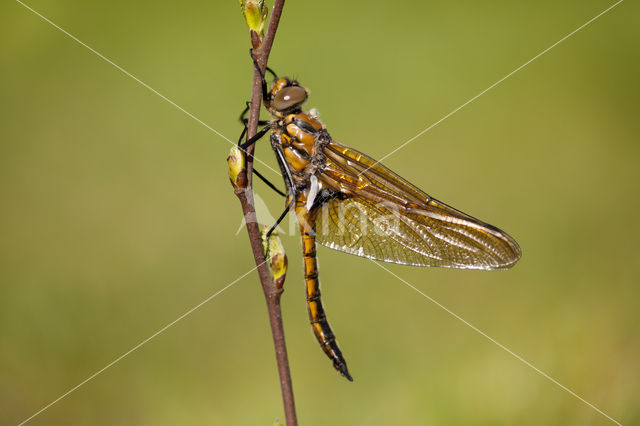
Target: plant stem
x: 245, y: 195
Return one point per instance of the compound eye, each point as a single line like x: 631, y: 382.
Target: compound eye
x: 288, y: 98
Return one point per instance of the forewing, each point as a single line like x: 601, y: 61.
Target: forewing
x: 381, y: 216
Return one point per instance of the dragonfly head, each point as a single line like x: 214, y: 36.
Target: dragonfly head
x: 285, y: 97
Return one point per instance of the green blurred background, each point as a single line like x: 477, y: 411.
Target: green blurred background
x: 117, y: 215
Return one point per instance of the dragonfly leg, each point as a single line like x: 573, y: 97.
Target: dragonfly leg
x: 244, y: 132
x: 273, y: 73
x: 268, y: 183
x: 281, y: 218
x: 243, y: 116
x: 282, y: 162
x: 255, y: 137
x: 257, y: 173
x: 265, y: 92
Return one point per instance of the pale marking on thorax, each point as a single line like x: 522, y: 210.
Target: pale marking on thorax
x: 313, y: 191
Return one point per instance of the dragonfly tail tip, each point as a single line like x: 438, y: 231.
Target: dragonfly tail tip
x: 343, y: 370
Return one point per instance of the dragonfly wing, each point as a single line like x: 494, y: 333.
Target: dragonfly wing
x: 381, y: 216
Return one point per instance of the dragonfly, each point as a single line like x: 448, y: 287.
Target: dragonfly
x: 347, y: 201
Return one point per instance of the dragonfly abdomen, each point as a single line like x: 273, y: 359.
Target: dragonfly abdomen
x: 317, y: 317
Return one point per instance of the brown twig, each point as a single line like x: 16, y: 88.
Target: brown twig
x: 272, y: 294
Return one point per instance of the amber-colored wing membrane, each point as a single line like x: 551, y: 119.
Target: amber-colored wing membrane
x: 381, y: 216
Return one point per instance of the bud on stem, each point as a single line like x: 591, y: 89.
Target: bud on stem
x: 237, y: 169
x: 275, y: 255
x: 255, y: 14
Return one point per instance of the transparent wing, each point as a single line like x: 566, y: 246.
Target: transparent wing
x: 379, y: 215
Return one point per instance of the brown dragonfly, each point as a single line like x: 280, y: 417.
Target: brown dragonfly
x: 349, y: 202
